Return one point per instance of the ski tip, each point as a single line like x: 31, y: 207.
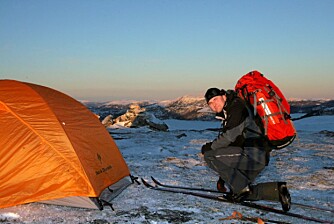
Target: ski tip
x: 155, y: 181
x: 146, y: 183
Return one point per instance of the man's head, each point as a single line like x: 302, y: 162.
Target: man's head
x: 216, y: 99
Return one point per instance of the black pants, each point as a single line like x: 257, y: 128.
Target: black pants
x: 238, y: 167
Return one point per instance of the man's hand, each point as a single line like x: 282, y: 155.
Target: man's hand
x: 206, y: 147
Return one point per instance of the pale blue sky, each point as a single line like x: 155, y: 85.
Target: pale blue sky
x: 163, y: 49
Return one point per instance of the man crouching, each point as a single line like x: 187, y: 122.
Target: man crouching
x: 240, y: 152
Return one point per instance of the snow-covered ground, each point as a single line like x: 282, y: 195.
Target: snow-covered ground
x: 174, y: 158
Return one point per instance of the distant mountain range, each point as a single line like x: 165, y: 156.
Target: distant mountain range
x: 195, y: 108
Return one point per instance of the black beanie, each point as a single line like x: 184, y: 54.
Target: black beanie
x: 212, y: 92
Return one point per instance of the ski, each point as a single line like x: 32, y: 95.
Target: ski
x: 222, y: 198
x: 183, y: 187
x: 313, y: 207
x: 215, y: 191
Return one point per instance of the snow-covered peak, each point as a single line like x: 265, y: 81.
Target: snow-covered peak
x: 189, y: 99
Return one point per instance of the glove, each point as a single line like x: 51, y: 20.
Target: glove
x: 206, y: 147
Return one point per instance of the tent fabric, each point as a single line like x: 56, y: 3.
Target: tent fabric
x: 52, y: 147
x: 107, y: 195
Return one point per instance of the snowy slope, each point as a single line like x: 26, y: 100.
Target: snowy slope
x: 174, y: 158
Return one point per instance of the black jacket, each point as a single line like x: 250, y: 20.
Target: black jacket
x: 239, y: 126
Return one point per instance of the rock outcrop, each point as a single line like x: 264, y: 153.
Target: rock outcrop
x: 136, y: 117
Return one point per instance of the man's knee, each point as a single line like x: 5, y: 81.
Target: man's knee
x: 210, y: 155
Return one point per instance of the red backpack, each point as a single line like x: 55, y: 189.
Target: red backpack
x: 270, y: 104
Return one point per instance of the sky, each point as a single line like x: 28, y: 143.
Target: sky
x: 163, y: 49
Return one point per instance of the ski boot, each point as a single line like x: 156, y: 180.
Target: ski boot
x: 270, y: 191
x: 243, y: 194
x: 284, y: 196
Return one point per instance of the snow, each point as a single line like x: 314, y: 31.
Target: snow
x: 190, y: 125
x: 174, y: 157
x: 315, y: 124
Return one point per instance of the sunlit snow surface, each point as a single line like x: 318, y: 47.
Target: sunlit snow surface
x: 174, y: 157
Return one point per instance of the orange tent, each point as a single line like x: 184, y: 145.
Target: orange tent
x: 54, y: 150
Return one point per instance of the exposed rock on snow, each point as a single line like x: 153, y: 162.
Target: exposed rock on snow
x: 327, y: 133
x: 107, y: 121
x: 135, y: 117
